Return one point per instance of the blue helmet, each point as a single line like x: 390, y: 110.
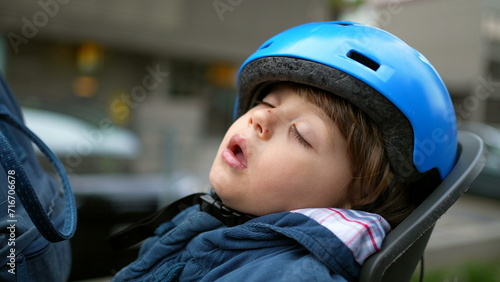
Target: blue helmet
x: 387, y: 79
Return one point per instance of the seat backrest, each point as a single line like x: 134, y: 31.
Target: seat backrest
x: 404, y: 246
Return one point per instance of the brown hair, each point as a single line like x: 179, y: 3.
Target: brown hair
x: 374, y: 187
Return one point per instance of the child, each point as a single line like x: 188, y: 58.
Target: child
x: 342, y: 129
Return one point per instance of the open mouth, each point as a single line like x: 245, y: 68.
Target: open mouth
x: 238, y: 153
x: 235, y: 153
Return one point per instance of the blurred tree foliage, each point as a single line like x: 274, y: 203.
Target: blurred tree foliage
x: 337, y: 7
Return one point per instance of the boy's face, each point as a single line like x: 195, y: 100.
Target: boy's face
x: 283, y: 154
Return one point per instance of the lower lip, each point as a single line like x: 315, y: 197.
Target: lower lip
x: 232, y: 160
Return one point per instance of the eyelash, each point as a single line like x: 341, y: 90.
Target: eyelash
x: 261, y: 102
x: 298, y: 137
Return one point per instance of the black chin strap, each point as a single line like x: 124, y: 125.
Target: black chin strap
x: 212, y: 204
x: 145, y: 228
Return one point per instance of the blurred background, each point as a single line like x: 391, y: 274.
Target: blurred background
x: 135, y: 96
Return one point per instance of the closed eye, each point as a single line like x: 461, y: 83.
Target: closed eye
x: 296, y: 134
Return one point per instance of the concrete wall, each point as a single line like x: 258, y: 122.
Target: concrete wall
x: 224, y: 29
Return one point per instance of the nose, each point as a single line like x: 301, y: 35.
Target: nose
x: 262, y: 121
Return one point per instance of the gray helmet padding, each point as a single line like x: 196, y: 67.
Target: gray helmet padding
x: 396, y: 129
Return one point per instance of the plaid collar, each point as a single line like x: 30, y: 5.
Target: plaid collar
x: 361, y: 232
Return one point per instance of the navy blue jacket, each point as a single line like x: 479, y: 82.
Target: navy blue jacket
x: 286, y: 246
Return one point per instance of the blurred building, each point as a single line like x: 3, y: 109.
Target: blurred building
x: 461, y: 40
x: 164, y: 69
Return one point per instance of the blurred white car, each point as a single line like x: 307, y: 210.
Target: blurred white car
x: 67, y: 135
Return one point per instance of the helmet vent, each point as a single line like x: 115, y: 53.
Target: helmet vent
x: 266, y: 45
x: 364, y: 60
x: 344, y: 23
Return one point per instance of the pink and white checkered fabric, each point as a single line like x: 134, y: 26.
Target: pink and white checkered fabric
x: 362, y: 232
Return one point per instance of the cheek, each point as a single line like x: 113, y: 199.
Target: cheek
x: 278, y: 174
x: 333, y: 181
x: 336, y: 167
x: 305, y: 176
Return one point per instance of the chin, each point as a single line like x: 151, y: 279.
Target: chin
x: 217, y: 182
